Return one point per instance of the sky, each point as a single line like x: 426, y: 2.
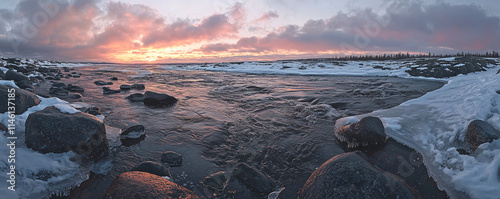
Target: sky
x: 170, y: 31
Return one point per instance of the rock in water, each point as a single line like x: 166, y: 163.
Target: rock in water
x: 216, y: 181
x: 138, y: 86
x: 369, y: 131
x: 348, y: 175
x: 173, y: 159
x: 107, y: 90
x: 254, y: 179
x: 136, y: 184
x: 102, y: 83
x: 125, y: 87
x: 136, y: 97
x: 22, y: 101
x: 152, y: 168
x: 133, y: 132
x: 154, y: 100
x: 74, y: 88
x: 51, y: 131
x: 479, y: 132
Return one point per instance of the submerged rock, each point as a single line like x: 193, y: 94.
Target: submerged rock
x: 136, y: 184
x: 479, y: 132
x: 253, y: 179
x: 74, y: 88
x: 155, y: 100
x: 102, y: 83
x: 58, y: 91
x: 348, y: 175
x: 138, y: 86
x: 51, y: 131
x: 107, y: 90
x: 216, y: 181
x: 153, y: 168
x: 125, y: 87
x: 173, y: 159
x: 22, y: 101
x: 136, y: 97
x: 368, y: 132
x: 133, y: 132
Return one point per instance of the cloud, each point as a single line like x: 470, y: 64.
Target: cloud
x: 96, y: 30
x: 405, y: 26
x: 268, y: 16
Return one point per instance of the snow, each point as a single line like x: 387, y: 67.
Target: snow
x: 66, y: 108
x: 447, y: 59
x: 8, y: 83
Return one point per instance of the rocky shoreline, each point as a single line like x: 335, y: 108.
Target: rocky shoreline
x: 365, y: 170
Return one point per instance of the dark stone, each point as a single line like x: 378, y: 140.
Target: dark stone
x: 71, y: 96
x: 21, y: 80
x: 136, y: 184
x: 93, y: 110
x: 152, y: 168
x: 125, y: 87
x: 479, y: 132
x: 58, y: 85
x: 51, y: 131
x: 216, y: 181
x: 133, y: 131
x: 154, y: 100
x: 138, y: 86
x: 107, y: 90
x: 22, y: 101
x: 253, y: 179
x: 58, y: 91
x: 136, y: 97
x: 368, y: 132
x: 173, y: 159
x: 102, y: 83
x: 113, y: 78
x: 3, y: 127
x: 349, y: 175
x: 74, y: 88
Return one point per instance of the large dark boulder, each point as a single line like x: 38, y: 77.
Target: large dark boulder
x: 23, y: 99
x: 368, y: 132
x: 136, y: 184
x: 21, y: 80
x: 51, y: 131
x: 252, y: 178
x: 154, y: 100
x: 349, y: 175
x: 479, y: 132
x: 152, y: 168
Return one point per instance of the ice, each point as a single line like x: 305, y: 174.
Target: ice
x: 8, y: 83
x: 66, y: 108
x: 447, y: 59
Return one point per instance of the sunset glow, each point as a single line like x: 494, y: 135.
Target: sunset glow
x: 169, y: 31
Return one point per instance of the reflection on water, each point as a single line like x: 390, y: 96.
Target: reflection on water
x: 280, y: 124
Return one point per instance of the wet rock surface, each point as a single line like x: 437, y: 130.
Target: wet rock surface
x: 368, y: 132
x: 153, y: 168
x: 349, y: 175
x: 171, y: 158
x: 137, y: 184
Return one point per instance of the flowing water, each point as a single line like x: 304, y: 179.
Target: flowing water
x: 280, y: 124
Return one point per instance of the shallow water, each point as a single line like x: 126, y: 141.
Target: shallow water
x: 280, y: 124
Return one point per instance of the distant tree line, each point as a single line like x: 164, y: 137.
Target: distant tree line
x: 401, y: 55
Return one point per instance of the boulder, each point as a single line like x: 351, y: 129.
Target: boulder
x: 171, y: 158
x: 136, y: 97
x: 349, y: 175
x: 102, y: 83
x: 155, y: 100
x: 479, y: 132
x: 58, y: 91
x: 93, y: 110
x: 133, y: 132
x: 216, y: 181
x: 136, y: 184
x: 113, y: 78
x: 107, y: 90
x: 21, y: 80
x: 51, y: 131
x: 125, y: 87
x: 152, y: 168
x: 368, y: 132
x: 74, y: 88
x: 58, y: 85
x: 22, y: 101
x: 255, y: 180
x: 138, y: 86
x: 71, y: 96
